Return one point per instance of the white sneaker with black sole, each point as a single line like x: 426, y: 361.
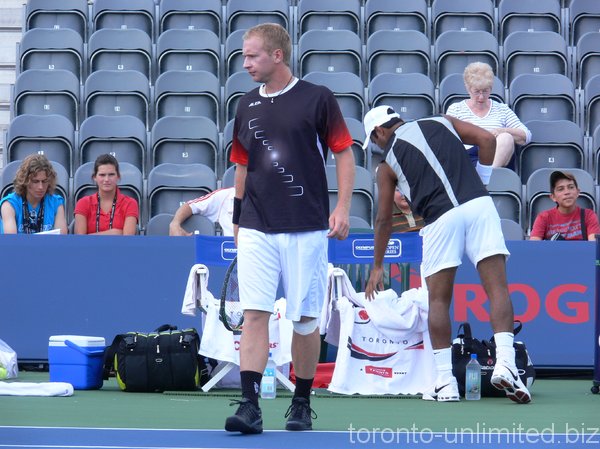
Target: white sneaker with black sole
x: 444, y: 392
x: 507, y: 379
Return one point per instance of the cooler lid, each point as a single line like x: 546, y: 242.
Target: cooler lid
x: 79, y: 340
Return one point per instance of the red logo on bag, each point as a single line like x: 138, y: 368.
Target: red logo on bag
x: 363, y: 315
x: 378, y: 371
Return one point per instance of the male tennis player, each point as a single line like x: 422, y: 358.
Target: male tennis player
x: 282, y: 132
x: 426, y: 160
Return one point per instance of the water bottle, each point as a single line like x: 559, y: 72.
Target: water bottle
x: 473, y: 380
x: 268, y: 384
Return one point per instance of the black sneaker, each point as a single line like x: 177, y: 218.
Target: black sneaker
x: 247, y: 418
x: 299, y: 415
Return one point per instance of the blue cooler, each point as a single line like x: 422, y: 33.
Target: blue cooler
x: 77, y: 360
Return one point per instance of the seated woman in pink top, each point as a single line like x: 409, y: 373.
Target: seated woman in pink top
x: 107, y: 212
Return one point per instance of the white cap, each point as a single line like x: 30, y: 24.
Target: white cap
x: 377, y: 117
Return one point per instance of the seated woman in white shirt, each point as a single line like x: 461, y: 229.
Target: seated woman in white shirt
x: 489, y: 114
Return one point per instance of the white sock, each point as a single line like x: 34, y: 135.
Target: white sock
x: 505, y: 351
x: 443, y: 363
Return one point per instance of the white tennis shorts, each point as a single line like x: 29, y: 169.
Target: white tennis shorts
x: 299, y: 258
x: 472, y: 228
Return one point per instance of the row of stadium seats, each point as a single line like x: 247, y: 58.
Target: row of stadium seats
x: 498, y: 17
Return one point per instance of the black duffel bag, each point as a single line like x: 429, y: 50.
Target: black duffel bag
x: 166, y: 359
x: 464, y: 345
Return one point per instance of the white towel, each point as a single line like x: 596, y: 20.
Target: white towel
x: 36, y: 389
x: 192, y: 299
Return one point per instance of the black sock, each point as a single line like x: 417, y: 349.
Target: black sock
x: 303, y: 387
x: 250, y: 385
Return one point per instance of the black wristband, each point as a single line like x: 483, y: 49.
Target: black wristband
x: 237, y: 210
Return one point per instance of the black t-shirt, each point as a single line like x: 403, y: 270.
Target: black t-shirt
x: 284, y: 144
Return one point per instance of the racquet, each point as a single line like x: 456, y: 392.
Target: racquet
x: 230, y: 310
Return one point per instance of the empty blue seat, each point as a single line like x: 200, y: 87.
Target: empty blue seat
x: 462, y: 15
x: 330, y: 51
x: 52, y: 49
x: 396, y: 15
x: 119, y: 14
x: 241, y: 14
x: 118, y: 93
x: 188, y: 94
x: 185, y: 140
x: 347, y: 88
x: 505, y: 190
x: 47, y: 92
x: 584, y: 17
x: 588, y: 58
x: 234, y: 59
x: 189, y: 50
x: 528, y: 15
x: 329, y: 15
x: 57, y: 14
x: 190, y: 15
x: 235, y: 87
x: 412, y: 95
x: 51, y: 135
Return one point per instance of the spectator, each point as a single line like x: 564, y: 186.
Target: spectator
x: 33, y: 207
x: 489, y: 114
x: 567, y: 221
x: 108, y: 211
x: 217, y: 206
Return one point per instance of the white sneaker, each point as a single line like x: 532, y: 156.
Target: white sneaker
x: 444, y: 393
x: 504, y: 378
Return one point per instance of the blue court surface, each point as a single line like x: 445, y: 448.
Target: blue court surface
x: 104, y: 438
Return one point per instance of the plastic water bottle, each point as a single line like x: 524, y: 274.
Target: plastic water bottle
x: 473, y: 380
x: 268, y: 384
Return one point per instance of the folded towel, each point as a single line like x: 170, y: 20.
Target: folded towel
x: 196, y: 290
x: 36, y: 389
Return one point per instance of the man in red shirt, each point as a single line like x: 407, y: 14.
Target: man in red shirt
x: 564, y: 222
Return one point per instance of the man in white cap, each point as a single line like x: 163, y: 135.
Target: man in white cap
x: 426, y: 160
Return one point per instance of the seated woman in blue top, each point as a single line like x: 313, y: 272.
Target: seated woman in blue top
x: 33, y: 207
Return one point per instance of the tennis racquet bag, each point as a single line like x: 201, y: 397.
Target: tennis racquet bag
x: 464, y: 345
x: 166, y: 359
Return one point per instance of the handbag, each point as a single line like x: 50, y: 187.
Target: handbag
x: 464, y: 345
x: 166, y: 359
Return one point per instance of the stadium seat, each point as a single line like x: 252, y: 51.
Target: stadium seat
x: 185, y: 140
x: 401, y: 51
x: 122, y: 136
x: 159, y: 225
x: 190, y: 15
x: 511, y: 230
x: 587, y: 57
x: 227, y: 142
x: 454, y: 50
x: 234, y: 59
x: 131, y: 183
x: 235, y: 87
x: 362, y: 158
x: 187, y: 94
x: 505, y: 190
x: 357, y: 224
x: 556, y: 143
x: 188, y: 50
x: 228, y: 177
x: 396, y: 15
x: 329, y: 15
x: 584, y: 17
x: 126, y: 49
x: 595, y: 152
x: 538, y: 188
x: 462, y: 15
x: 7, y: 177
x: 537, y: 52
x: 347, y: 88
x: 117, y: 93
x: 412, y: 95
x: 46, y: 92
x: 543, y: 97
x: 51, y: 135
x: 591, y: 104
x: 362, y: 203
x: 52, y: 49
x: 528, y: 15
x: 57, y: 14
x: 170, y: 185
x: 452, y: 90
x: 330, y: 51
x: 119, y: 14
x: 241, y: 14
